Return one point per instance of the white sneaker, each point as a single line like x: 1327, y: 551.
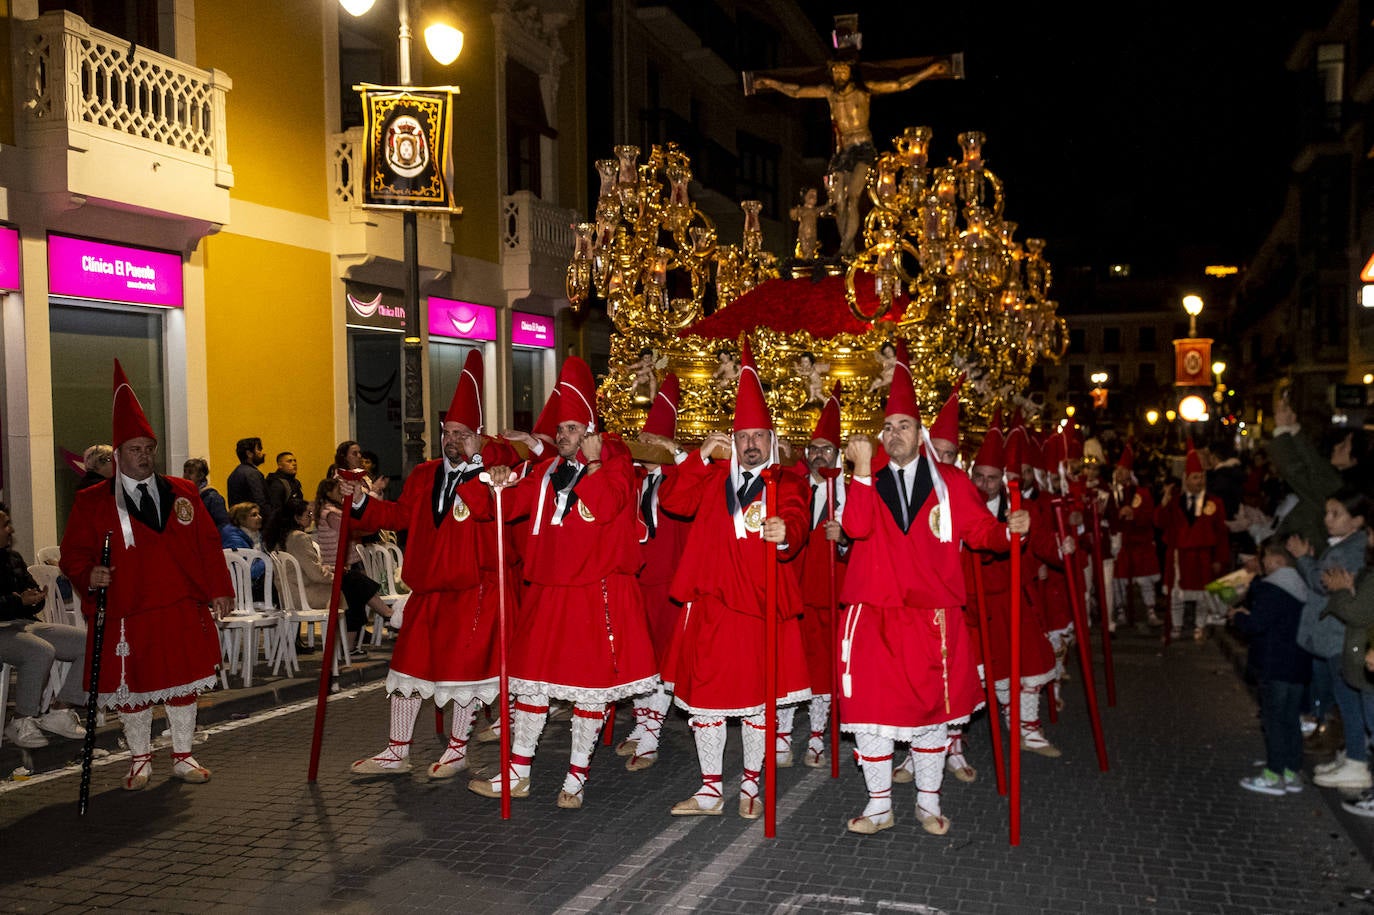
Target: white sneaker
x: 23, y: 732
x: 1351, y: 774
x: 64, y: 723
x: 1328, y: 767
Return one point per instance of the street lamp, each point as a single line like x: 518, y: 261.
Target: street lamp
x: 1193, y: 305
x: 1152, y: 416
x: 445, y: 43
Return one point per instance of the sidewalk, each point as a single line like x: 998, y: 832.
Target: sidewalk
x: 267, y: 692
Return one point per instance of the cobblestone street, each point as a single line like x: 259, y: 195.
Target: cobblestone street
x: 1167, y: 829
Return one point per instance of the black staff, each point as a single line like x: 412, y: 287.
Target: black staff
x: 93, y: 698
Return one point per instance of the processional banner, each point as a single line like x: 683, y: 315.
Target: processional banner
x: 408, y: 152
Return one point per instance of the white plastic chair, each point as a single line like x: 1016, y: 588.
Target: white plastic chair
x: 57, y: 609
x: 296, y: 610
x: 382, y: 562
x: 239, y: 630
x: 50, y: 555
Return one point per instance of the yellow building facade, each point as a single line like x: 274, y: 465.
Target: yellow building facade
x: 214, y: 148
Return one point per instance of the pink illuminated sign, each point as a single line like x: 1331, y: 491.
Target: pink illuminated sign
x: 9, y: 259
x: 531, y: 330
x: 461, y: 320
x: 114, y: 273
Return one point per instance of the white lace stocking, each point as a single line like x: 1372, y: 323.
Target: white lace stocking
x: 874, y: 756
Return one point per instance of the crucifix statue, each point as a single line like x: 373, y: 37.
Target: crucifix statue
x: 848, y: 86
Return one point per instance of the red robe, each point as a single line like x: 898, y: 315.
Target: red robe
x: 157, y: 603
x: 660, y: 553
x: 1061, y: 572
x: 581, y: 633
x: 1037, y: 656
x: 447, y: 647
x: 1197, y: 552
x: 715, y: 662
x: 909, y: 663
x: 1132, y: 515
x: 813, y: 578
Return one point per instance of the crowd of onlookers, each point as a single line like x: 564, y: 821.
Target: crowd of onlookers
x: 1298, y: 511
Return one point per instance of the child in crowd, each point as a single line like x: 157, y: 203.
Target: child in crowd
x: 1351, y: 600
x: 1323, y: 635
x: 1281, y: 667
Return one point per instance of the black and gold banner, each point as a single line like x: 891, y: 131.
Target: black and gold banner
x: 407, y: 137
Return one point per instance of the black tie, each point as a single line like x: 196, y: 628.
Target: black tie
x: 146, y: 508
x: 450, y: 488
x: 562, y: 476
x: 903, y: 498
x: 646, y: 506
x: 1192, y: 507
x: 743, y: 490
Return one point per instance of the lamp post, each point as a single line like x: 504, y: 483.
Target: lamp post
x: 1193, y: 305
x: 445, y: 43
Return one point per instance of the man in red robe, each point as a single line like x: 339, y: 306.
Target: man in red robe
x: 662, y: 538
x: 1196, y: 542
x: 166, y: 569
x: 446, y: 649
x: 1037, y: 657
x: 813, y: 579
x: 581, y: 634
x: 908, y: 669
x: 715, y: 662
x: 1131, y: 511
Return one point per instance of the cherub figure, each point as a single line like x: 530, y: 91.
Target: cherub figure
x: 887, y: 359
x: 727, y: 370
x: 644, y: 385
x: 807, y: 214
x: 813, y: 374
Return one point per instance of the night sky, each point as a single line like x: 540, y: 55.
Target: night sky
x: 1155, y: 134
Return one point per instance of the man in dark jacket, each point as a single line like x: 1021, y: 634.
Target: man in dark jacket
x: 246, y: 483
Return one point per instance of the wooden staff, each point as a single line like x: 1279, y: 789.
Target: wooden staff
x: 1014, y: 675
x: 331, y: 626
x: 1100, y: 580
x: 770, y: 658
x: 974, y: 566
x: 93, y: 697
x: 503, y: 680
x: 831, y: 474
x: 1080, y: 623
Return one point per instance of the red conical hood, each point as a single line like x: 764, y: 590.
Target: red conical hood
x: 901, y: 397
x: 946, y: 425
x: 546, y: 426
x: 828, y: 423
x: 662, y: 418
x: 991, y: 453
x: 751, y: 408
x: 466, y: 407
x: 1193, y: 463
x: 1127, y: 458
x: 1073, y: 442
x: 577, y: 394
x: 129, y: 421
x: 1014, y: 450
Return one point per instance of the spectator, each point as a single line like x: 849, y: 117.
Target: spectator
x: 246, y: 483
x: 197, y: 470
x: 1270, y: 621
x: 289, y: 533
x: 1310, y: 478
x: 1225, y: 475
x: 32, y: 646
x: 359, y: 591
x: 99, y: 461
x: 1347, y: 514
x: 244, y: 532
x: 1352, y: 601
x: 283, y: 489
x: 349, y: 456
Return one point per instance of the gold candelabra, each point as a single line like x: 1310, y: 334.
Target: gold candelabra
x: 977, y: 300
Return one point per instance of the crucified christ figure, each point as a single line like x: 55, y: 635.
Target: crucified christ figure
x: 848, y: 87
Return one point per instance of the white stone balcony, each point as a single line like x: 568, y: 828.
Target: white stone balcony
x: 373, y: 238
x: 105, y: 123
x: 536, y: 245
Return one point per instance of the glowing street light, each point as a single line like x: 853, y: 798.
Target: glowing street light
x: 1152, y: 416
x: 1193, y: 409
x: 1193, y: 305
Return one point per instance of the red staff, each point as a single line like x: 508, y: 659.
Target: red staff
x: 503, y: 682
x: 330, y: 627
x: 1080, y: 623
x: 1100, y: 580
x: 830, y: 474
x: 975, y: 565
x: 1014, y: 676
x: 771, y: 475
